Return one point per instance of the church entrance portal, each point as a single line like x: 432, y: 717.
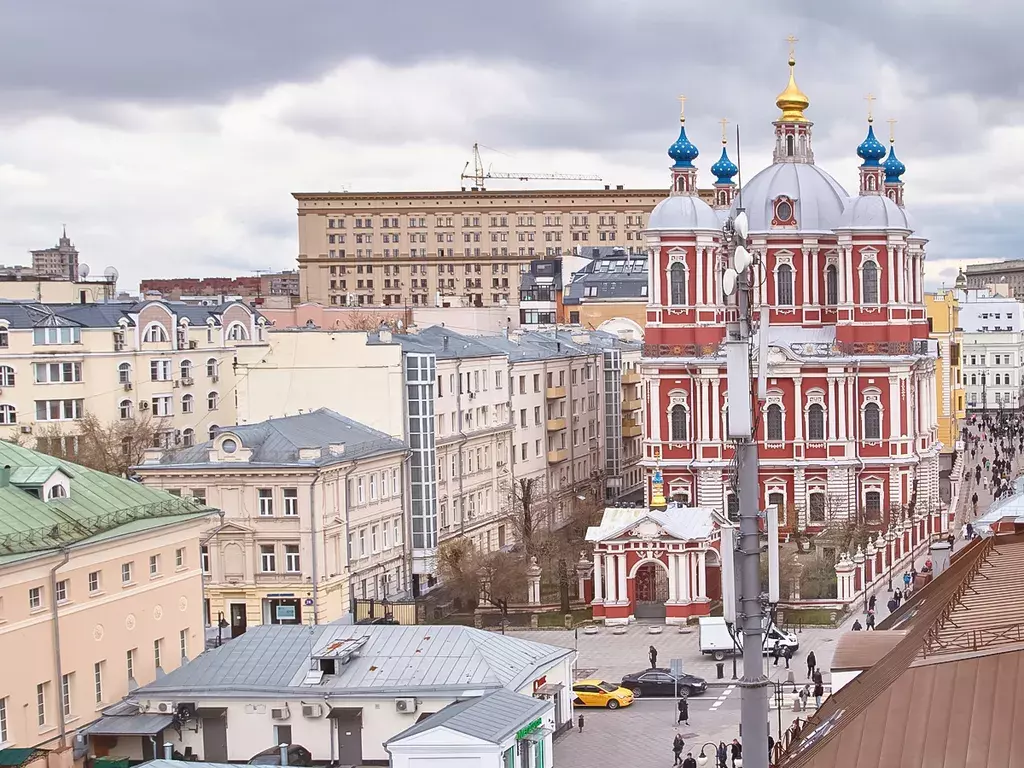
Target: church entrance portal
x: 651, y: 585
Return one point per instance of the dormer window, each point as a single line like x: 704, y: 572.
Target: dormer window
x: 155, y: 333
x: 57, y: 492
x: 229, y: 445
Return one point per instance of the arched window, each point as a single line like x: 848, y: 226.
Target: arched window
x: 817, y: 507
x: 212, y: 401
x: 775, y: 423
x: 213, y: 430
x: 188, y: 437
x: 816, y: 423
x: 124, y: 373
x: 677, y: 284
x: 869, y: 283
x: 873, y: 505
x: 679, y: 423
x: 126, y: 446
x: 871, y: 183
x: 8, y: 414
x: 831, y: 285
x: 872, y: 422
x: 784, y: 285
x: 187, y: 403
x: 186, y: 369
x: 6, y: 376
x: 125, y: 408
x: 57, y: 492
x: 974, y: 380
x: 790, y: 146
x: 237, y: 332
x: 155, y: 333
x: 211, y: 367
x: 778, y: 501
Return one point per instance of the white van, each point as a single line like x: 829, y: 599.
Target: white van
x: 717, y: 640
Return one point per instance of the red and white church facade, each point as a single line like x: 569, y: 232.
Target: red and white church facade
x: 849, y: 426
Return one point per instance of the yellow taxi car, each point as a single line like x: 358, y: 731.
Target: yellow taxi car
x: 598, y: 693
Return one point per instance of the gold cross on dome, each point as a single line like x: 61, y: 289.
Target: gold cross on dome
x: 892, y: 129
x: 724, y: 123
x: 682, y: 108
x: 870, y: 98
x: 792, y: 45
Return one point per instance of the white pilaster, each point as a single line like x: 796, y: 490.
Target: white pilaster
x: 894, y: 407
x: 833, y: 409
x: 695, y: 586
x: 817, y: 277
x: 685, y: 593
x: 621, y: 569
x: 705, y: 411
x: 657, y: 411
x: 702, y: 591
x: 890, y: 271
x: 673, y: 589
x: 709, y: 276
x: 658, y: 273
x: 841, y: 396
x: 805, y: 269
x: 698, y: 288
x: 598, y: 576
x: 716, y: 410
x: 611, y: 562
x: 798, y: 420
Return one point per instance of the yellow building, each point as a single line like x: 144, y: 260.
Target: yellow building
x: 943, y: 311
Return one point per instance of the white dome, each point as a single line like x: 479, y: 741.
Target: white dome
x: 874, y: 212
x: 818, y: 198
x: 683, y: 212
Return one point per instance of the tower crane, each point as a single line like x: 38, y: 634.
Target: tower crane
x: 479, y: 175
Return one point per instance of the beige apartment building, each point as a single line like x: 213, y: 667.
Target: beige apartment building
x: 166, y: 362
x: 60, y: 261
x: 458, y: 248
x: 101, y: 568
x: 314, y: 516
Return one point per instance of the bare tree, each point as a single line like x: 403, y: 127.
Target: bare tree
x: 113, y: 447
x: 528, y: 512
x: 498, y: 578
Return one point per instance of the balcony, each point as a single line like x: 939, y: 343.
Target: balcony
x: 631, y: 377
x: 556, y: 425
x: 632, y: 405
x: 631, y: 428
x: 556, y: 457
x: 556, y: 393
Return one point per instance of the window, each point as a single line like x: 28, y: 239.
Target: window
x: 35, y: 598
x: 211, y: 367
x: 187, y: 403
x: 237, y: 332
x: 268, y: 558
x: 291, y: 502
x: 362, y: 542
x: 157, y: 648
x: 679, y: 422
x: 57, y: 492
x: 816, y: 423
x: 204, y: 558
x: 126, y: 573
x: 97, y: 681
x: 817, y: 507
x: 61, y: 590
x: 56, y: 335
x: 179, y: 557
x: 124, y: 409
x: 94, y: 581
x: 872, y: 422
x: 186, y: 369
x: 188, y: 437
x: 373, y: 539
x: 163, y: 405
x: 41, y: 704
x: 212, y: 401
x: 784, y: 285
x: 291, y: 558
x: 266, y: 501
x: 183, y: 644
x: 154, y: 333
x: 778, y: 501
x: 790, y: 148
x: 360, y: 491
x: 373, y: 486
x: 160, y: 370
x: 398, y: 531
x: 831, y: 285
x: 775, y: 423
x: 129, y: 659
x: 677, y: 283
x: 154, y: 565
x: 7, y: 376
x: 5, y: 341
x: 385, y: 537
x: 8, y: 414
x: 869, y: 282
x: 59, y: 410
x: 395, y: 485
x: 873, y: 505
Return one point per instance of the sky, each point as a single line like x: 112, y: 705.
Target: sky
x: 168, y: 135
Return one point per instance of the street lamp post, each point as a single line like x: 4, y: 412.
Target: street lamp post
x: 702, y: 759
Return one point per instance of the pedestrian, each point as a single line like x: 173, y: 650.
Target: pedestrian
x: 816, y: 677
x: 722, y: 753
x: 974, y: 501
x: 677, y: 749
x: 892, y: 605
x: 684, y: 711
x: 736, y: 751
x: 906, y: 579
x: 775, y: 654
x: 771, y: 746
x: 871, y: 603
x: 805, y: 692
x: 652, y: 654
x: 580, y: 722
x: 811, y: 663
x: 689, y: 762
x: 856, y: 625
x: 897, y: 596
x: 819, y: 691
x: 970, y: 531
x: 949, y: 540
x: 787, y: 654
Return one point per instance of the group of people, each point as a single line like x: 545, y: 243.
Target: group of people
x: 1004, y: 434
x: 724, y: 754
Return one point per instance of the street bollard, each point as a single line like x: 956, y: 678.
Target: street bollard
x: 720, y: 667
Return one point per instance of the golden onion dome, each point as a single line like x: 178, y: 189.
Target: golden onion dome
x: 792, y: 101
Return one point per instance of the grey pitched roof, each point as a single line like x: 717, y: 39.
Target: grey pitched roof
x: 273, y: 660
x: 31, y: 314
x: 277, y: 442
x: 535, y: 345
x: 442, y: 342
x: 492, y: 717
x: 129, y: 725
x: 616, y: 275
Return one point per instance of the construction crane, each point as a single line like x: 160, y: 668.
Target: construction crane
x: 479, y: 175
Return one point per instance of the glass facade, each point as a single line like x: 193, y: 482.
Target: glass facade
x: 420, y: 374
x: 613, y: 419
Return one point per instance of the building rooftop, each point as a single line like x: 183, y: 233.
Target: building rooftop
x: 613, y: 276
x: 287, y: 440
x: 492, y: 717
x: 97, y: 505
x: 272, y: 660
x: 30, y: 314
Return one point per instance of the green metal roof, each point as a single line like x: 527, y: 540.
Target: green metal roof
x: 12, y: 757
x: 31, y: 475
x: 97, y: 504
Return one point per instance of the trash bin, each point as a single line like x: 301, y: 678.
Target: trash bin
x: 720, y: 668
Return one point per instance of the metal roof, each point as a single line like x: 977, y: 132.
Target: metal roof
x: 684, y: 523
x: 32, y: 314
x: 492, y: 717
x: 97, y: 504
x: 278, y: 442
x: 273, y: 660
x: 442, y: 342
x: 616, y: 275
x: 14, y: 757
x: 861, y: 650
x: 128, y: 725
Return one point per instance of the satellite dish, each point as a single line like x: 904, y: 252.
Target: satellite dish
x: 729, y: 279
x: 111, y: 274
x: 83, y: 271
x: 741, y: 225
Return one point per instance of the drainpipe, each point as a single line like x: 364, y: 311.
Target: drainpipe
x: 55, y: 624
x: 315, y: 562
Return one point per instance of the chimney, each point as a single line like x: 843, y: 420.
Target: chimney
x: 168, y: 751
x: 940, y: 553
x: 444, y: 343
x: 284, y: 753
x: 5, y: 476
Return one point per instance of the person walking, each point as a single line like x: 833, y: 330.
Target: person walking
x: 871, y: 603
x: 857, y: 625
x: 897, y: 596
x: 689, y: 762
x: 892, y: 605
x: 722, y: 755
x: 805, y: 692
x: 869, y: 622
x: 787, y: 654
x: 735, y: 751
x: 906, y: 580
x: 775, y: 654
x: 652, y: 654
x: 677, y: 749
x: 812, y: 662
x: 684, y: 711
x: 819, y: 691
x: 580, y: 722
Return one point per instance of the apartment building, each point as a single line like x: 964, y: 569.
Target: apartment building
x: 100, y: 592
x: 943, y: 312
x: 313, y: 516
x: 1007, y: 274
x: 610, y: 293
x: 438, y: 248
x: 993, y: 349
x: 60, y: 261
x: 150, y: 360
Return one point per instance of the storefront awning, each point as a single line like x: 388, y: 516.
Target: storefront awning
x: 129, y: 725
x: 538, y: 735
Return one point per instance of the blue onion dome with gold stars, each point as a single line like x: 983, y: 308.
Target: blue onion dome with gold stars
x: 724, y: 169
x: 682, y: 150
x: 871, y: 150
x: 894, y: 167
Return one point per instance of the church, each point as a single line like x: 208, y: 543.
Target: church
x: 848, y: 430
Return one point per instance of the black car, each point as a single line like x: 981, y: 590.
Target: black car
x: 661, y: 682
x: 297, y: 755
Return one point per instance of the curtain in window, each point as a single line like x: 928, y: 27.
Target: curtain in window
x: 784, y: 285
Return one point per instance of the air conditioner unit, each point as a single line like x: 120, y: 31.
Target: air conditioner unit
x: 280, y: 713
x: 143, y: 405
x: 164, y: 707
x: 192, y: 345
x: 472, y: 395
x: 312, y: 710
x: 405, y: 705
x: 215, y: 378
x: 188, y: 381
x: 127, y: 386
x: 26, y: 430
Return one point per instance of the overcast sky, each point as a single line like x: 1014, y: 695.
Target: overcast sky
x: 169, y: 134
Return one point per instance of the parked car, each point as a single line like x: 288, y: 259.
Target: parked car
x: 598, y: 693
x: 297, y: 755
x: 661, y: 682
